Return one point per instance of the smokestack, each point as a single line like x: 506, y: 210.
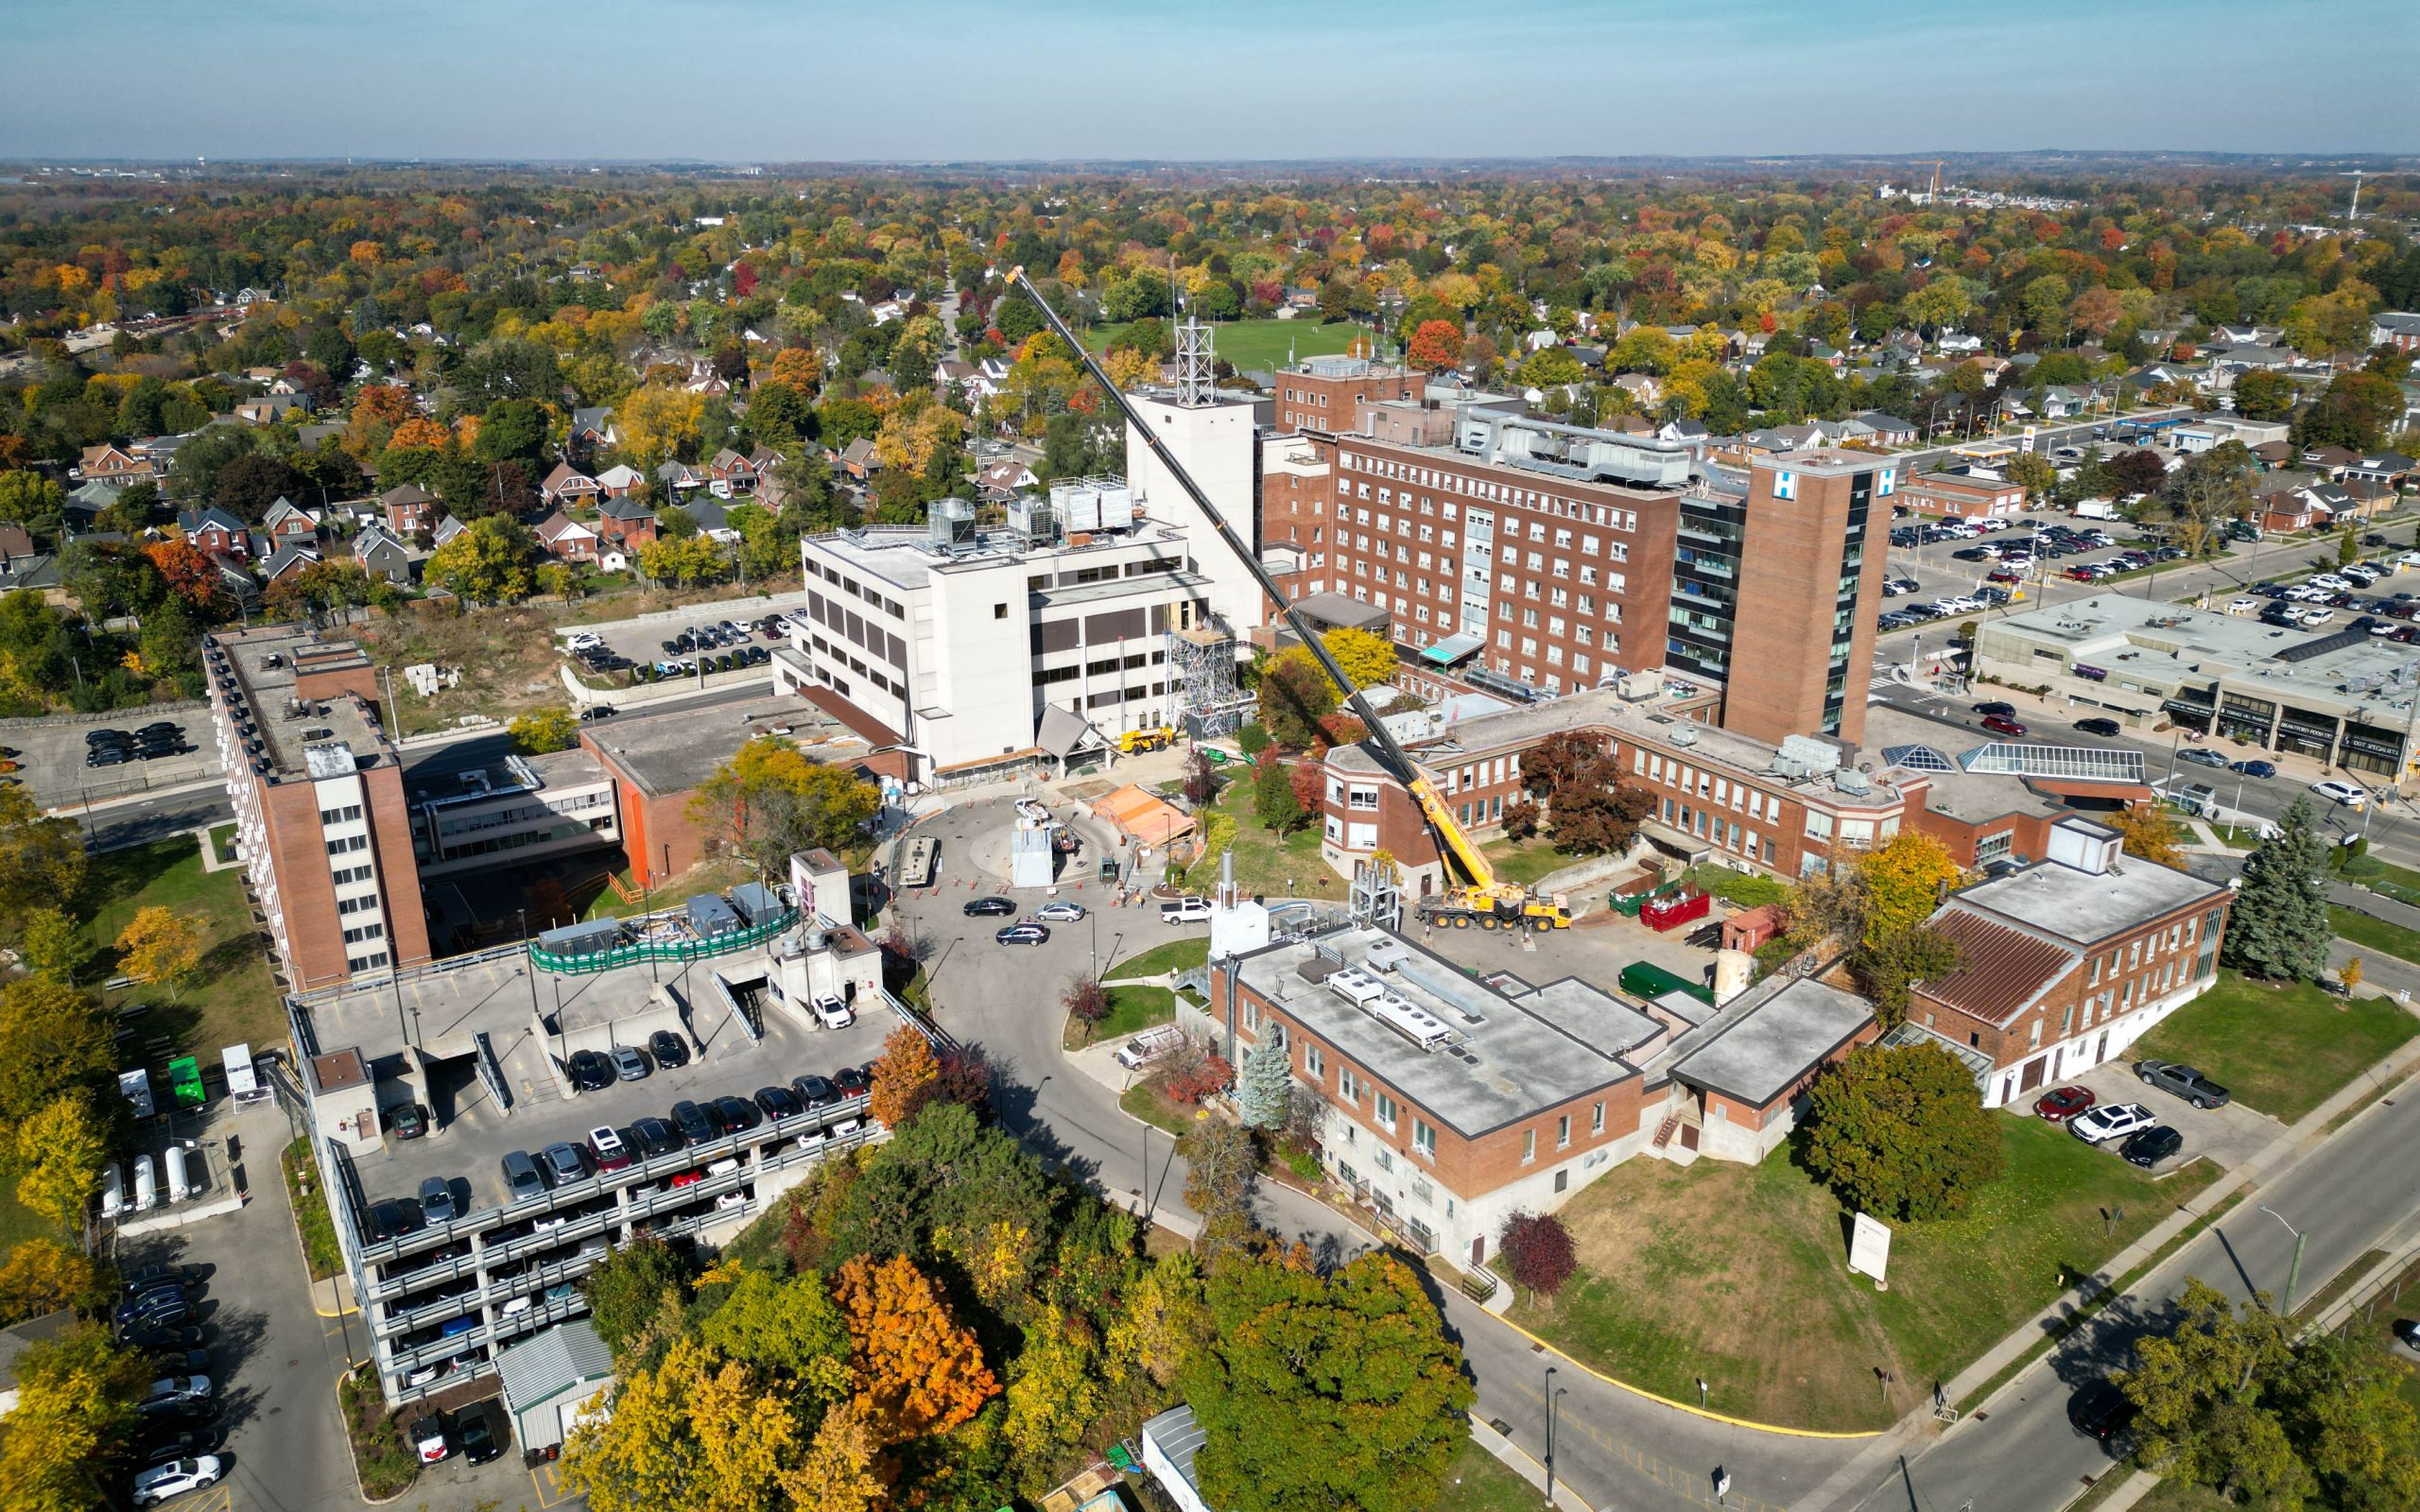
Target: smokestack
x: 1226, y: 898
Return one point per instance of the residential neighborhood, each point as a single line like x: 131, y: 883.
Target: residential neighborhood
x: 1008, y: 806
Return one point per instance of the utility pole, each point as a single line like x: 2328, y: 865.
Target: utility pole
x: 1552, y: 1394
x: 2294, y: 1271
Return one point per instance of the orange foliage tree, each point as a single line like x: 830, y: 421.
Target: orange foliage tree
x: 918, y: 1369
x: 905, y: 1077
x: 188, y: 573
x: 1436, y: 345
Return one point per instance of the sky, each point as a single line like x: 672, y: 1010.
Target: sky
x: 809, y: 80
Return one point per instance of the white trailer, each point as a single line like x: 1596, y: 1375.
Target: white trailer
x: 242, y: 1084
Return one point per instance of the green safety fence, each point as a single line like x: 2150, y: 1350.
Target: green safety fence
x: 585, y: 962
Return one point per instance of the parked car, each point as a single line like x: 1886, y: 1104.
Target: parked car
x: 173, y: 1394
x: 428, y: 1439
x: 563, y: 1163
x: 144, y: 1278
x: 520, y: 1178
x: 1023, y: 934
x: 695, y: 1124
x: 407, y: 1120
x: 2101, y: 1125
x: 165, y: 1337
x: 393, y: 1219
x: 738, y: 1114
x: 980, y: 907
x: 2200, y: 757
x: 655, y: 1137
x: 178, y: 1443
x: 832, y: 1013
x: 669, y: 1050
x: 1060, y: 913
x: 2343, y: 793
x: 2148, y: 1146
x: 478, y: 1438
x: 1184, y: 911
x: 815, y: 1091
x: 2254, y: 769
x: 591, y: 1071
x: 605, y: 1146
x: 850, y: 1081
x: 2182, y: 1081
x: 437, y: 1202
x: 2060, y: 1104
x: 780, y: 1103
x: 177, y: 1477
x: 2098, y: 725
x: 631, y: 1064
x: 153, y: 1310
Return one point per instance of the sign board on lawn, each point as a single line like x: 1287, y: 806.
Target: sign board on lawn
x: 1870, y: 1249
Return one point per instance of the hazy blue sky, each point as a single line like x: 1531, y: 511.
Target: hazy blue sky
x: 807, y: 79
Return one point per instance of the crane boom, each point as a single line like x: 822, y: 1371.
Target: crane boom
x: 1500, y: 901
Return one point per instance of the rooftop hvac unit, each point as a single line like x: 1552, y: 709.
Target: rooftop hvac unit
x: 1683, y: 735
x: 953, y: 526
x: 1814, y: 756
x: 1398, y: 1013
x: 1849, y: 779
x: 1787, y: 768
x: 1078, y: 504
x: 1358, y: 988
x: 1032, y: 517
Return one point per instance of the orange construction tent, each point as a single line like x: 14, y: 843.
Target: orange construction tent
x: 1150, y: 819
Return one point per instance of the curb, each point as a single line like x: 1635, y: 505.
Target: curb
x: 1683, y: 1406
x: 354, y: 1459
x: 1505, y: 1451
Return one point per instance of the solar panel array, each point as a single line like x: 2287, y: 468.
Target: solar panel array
x: 2081, y: 764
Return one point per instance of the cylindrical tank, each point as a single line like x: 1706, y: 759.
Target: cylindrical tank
x: 146, y: 1190
x: 179, y: 1189
x: 1732, y: 970
x: 112, y: 1191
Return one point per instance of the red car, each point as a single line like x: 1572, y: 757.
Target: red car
x: 2002, y: 725
x: 2060, y: 1104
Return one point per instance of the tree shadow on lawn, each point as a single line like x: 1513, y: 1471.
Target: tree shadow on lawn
x: 121, y: 874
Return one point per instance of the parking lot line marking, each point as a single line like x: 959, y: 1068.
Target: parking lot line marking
x: 549, y: 1486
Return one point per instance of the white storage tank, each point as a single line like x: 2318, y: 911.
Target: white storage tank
x: 112, y: 1191
x: 178, y: 1188
x: 146, y: 1190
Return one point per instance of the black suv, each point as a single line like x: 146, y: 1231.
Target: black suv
x: 591, y: 1072
x: 655, y: 1137
x: 695, y: 1124
x: 738, y: 1114
x: 668, y: 1049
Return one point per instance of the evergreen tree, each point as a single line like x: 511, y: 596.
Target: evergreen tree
x: 1265, y: 1092
x: 2279, y: 928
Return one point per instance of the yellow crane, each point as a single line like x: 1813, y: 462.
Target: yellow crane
x: 1479, y: 896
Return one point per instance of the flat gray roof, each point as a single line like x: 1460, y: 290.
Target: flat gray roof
x: 673, y: 752
x: 2074, y: 905
x: 2164, y: 646
x: 1974, y: 796
x: 902, y: 556
x: 1509, y: 1059
x: 269, y: 697
x: 1770, y: 1037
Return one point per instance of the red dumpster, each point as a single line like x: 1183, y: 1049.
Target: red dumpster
x: 1669, y: 913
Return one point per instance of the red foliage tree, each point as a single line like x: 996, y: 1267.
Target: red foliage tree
x: 1310, y: 781
x: 1436, y: 345
x: 1536, y: 1251
x: 188, y: 573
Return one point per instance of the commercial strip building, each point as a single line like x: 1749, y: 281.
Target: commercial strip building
x: 2346, y: 697
x: 483, y: 1043
x: 1547, y: 558
x: 1451, y: 1104
x: 2067, y: 962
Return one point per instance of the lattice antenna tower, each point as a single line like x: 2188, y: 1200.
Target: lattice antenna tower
x: 1197, y: 382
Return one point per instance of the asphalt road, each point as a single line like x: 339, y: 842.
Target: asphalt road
x: 2022, y: 1454
x: 1616, y: 1450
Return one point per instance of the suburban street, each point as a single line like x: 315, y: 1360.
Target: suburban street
x: 2021, y: 1454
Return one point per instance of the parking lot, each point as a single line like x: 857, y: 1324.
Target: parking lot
x: 2225, y: 1136
x: 657, y: 640
x: 469, y: 1135
x: 51, y: 756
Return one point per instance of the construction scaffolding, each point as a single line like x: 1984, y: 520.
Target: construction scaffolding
x: 1203, y: 700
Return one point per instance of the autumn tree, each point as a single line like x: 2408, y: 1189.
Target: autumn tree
x: 2147, y: 833
x: 542, y: 731
x: 52, y: 1039
x: 59, y: 1154
x: 919, y: 1370
x: 1436, y: 345
x: 1222, y: 1165
x: 658, y: 423
x: 1087, y: 1001
x: 770, y: 801
x: 55, y: 944
x: 1318, y: 1392
x: 1295, y: 695
x: 1901, y: 1133
x: 1536, y: 1249
x: 905, y: 1078
x: 161, y: 946
x: 1368, y: 658
x: 488, y: 562
x: 788, y: 1326
x: 631, y: 1290
x: 841, y: 1472
x: 696, y: 1431
x: 73, y: 1422
x: 1903, y: 880
x: 40, y: 1275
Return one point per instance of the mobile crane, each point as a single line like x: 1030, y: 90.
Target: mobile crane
x: 1479, y: 897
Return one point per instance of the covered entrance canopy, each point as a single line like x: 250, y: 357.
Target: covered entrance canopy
x: 1065, y: 736
x: 1143, y: 817
x: 1451, y: 649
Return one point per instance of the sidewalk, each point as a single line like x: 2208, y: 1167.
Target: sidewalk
x: 2063, y: 1314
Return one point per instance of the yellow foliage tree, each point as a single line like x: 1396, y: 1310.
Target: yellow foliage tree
x: 159, y: 945
x: 42, y: 1276
x: 842, y: 1469
x: 908, y: 442
x: 59, y: 1157
x: 698, y: 1432
x: 1164, y: 1320
x: 1053, y: 1398
x: 1903, y: 880
x: 802, y: 368
x: 657, y: 421
x: 76, y: 1397
x: 1369, y: 659
x: 918, y: 1370
x: 2148, y: 834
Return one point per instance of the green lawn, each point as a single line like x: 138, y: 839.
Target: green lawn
x: 2401, y: 883
x: 2236, y: 837
x: 222, y: 840
x: 1261, y: 346
x: 1747, y: 889
x: 1266, y: 865
x: 2374, y: 934
x: 1132, y: 1010
x: 1524, y: 862
x: 1738, y: 1273
x: 232, y: 999
x: 2283, y: 1050
x: 1144, y: 1102
x: 1478, y: 1481
x: 1176, y: 955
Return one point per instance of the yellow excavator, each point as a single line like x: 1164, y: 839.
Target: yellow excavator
x: 1479, y: 897
x: 1135, y: 742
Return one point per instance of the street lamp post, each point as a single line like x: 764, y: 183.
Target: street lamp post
x: 2294, y: 1271
x: 1550, y: 1400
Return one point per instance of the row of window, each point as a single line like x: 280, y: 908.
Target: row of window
x: 1476, y: 487
x: 340, y: 816
x: 870, y: 675
x: 345, y: 845
x: 362, y: 932
x: 854, y: 589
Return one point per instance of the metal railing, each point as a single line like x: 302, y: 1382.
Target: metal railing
x: 639, y: 952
